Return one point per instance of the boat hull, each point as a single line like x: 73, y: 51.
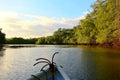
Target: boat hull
x: 59, y: 74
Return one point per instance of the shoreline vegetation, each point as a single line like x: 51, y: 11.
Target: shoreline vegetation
x: 101, y: 27
x: 115, y: 44
x: 2, y: 39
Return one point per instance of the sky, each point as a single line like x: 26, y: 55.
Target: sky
x: 36, y: 18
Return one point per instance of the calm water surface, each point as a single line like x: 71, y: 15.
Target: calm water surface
x: 80, y: 63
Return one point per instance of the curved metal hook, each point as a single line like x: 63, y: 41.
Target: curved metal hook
x: 44, y: 67
x: 43, y: 59
x: 54, y: 56
x: 40, y: 62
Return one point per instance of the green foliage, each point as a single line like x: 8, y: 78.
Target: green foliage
x: 64, y: 36
x: 104, y: 22
x: 2, y: 38
x: 20, y: 40
x: 117, y: 19
x: 86, y: 30
x: 61, y: 36
x: 41, y: 40
x: 98, y: 26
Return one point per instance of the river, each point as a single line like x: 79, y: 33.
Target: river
x: 79, y: 62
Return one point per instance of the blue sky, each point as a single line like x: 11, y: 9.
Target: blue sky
x: 33, y: 18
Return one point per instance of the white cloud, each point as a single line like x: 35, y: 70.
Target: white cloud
x: 4, y: 15
x: 24, y: 25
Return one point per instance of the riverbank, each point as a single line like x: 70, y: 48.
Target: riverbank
x: 114, y: 44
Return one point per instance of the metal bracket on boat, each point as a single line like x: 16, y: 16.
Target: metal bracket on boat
x: 48, y: 62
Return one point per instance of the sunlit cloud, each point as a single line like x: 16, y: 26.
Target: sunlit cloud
x: 26, y: 25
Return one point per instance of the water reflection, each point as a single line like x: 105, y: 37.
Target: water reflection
x: 2, y: 51
x: 79, y: 62
x: 101, y: 66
